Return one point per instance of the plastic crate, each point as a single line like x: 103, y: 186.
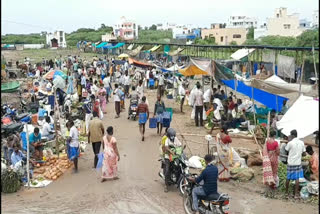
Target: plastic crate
x: 153, y: 123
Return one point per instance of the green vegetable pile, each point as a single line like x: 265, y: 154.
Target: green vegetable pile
x: 282, y: 174
x: 10, y: 182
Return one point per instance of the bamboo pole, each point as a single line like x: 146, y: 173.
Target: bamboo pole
x: 315, y: 67
x: 28, y: 156
x: 301, y: 74
x: 268, y: 126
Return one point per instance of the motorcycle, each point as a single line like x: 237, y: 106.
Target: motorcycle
x: 179, y: 169
x: 12, y: 114
x: 9, y: 129
x: 213, y: 204
x: 133, y: 109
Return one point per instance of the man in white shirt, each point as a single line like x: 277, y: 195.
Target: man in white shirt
x: 126, y: 66
x: 198, y: 104
x: 116, y: 97
x: 296, y: 150
x: 107, y: 85
x: 140, y: 90
x: 161, y: 85
x: 147, y: 77
x: 126, y: 82
x: 207, y: 97
x: 46, y: 130
x: 182, y: 94
x: 74, y: 144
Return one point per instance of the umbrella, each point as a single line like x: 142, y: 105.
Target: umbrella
x: 58, y: 82
x: 123, y: 55
x: 54, y: 74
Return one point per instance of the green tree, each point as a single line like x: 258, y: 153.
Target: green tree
x: 233, y: 43
x: 153, y: 27
x: 308, y: 38
x: 250, y: 34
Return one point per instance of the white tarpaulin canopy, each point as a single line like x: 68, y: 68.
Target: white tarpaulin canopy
x: 239, y: 54
x: 174, y: 68
x: 276, y: 85
x: 302, y: 116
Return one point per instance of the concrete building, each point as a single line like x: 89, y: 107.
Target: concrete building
x: 181, y: 30
x: 126, y: 29
x: 242, y: 22
x: 224, y: 36
x: 283, y: 24
x: 166, y: 26
x: 56, y: 39
x: 108, y: 37
x: 315, y: 19
x: 305, y: 24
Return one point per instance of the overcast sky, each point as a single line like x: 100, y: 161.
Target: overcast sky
x: 34, y: 16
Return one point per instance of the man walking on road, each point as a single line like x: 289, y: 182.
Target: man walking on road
x: 161, y: 85
x: 96, y: 132
x: 116, y: 97
x: 198, y: 103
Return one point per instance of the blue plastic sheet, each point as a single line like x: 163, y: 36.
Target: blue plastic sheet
x: 100, y: 160
x: 266, y: 98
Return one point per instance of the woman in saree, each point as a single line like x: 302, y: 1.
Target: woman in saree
x: 70, y: 89
x: 110, y: 157
x: 102, y: 98
x: 224, y: 154
x: 270, y: 154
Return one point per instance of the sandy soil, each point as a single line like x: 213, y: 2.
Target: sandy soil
x: 139, y: 189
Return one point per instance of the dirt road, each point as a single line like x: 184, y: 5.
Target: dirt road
x: 139, y: 189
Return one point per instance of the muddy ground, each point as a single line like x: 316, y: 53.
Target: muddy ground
x: 140, y: 189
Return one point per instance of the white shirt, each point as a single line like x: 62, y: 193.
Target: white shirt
x: 49, y: 85
x: 175, y: 143
x: 148, y: 72
x: 94, y: 89
x: 37, y: 73
x: 182, y: 91
x: 140, y: 91
x: 74, y: 134
x: 207, y: 95
x: 98, y: 71
x: 46, y: 129
x: 126, y: 80
x: 161, y: 79
x: 218, y: 102
x: 95, y: 64
x: 216, y: 114
x: 198, y: 97
x: 106, y: 82
x: 126, y: 66
x: 116, y: 97
x: 295, y: 148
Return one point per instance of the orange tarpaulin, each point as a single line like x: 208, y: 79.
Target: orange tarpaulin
x: 192, y: 70
x: 133, y: 61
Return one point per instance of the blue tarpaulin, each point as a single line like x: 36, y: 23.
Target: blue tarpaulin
x: 102, y: 44
x: 267, y: 99
x: 120, y: 44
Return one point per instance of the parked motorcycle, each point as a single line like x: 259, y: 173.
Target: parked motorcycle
x: 179, y: 169
x: 14, y: 116
x: 211, y: 204
x: 9, y: 129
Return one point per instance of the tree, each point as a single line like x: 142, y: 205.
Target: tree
x: 308, y: 38
x: 233, y: 43
x: 139, y: 27
x: 153, y: 27
x: 250, y: 34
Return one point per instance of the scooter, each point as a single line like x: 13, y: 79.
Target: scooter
x: 14, y: 116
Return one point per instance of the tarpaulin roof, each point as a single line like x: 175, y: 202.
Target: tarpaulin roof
x: 120, y: 44
x: 101, y: 44
x: 119, y: 62
x: 176, y: 52
x: 136, y: 51
x: 130, y: 47
x: 222, y: 73
x: 276, y: 85
x: 156, y: 47
x: 138, y: 63
x: 59, y: 82
x: 239, y: 54
x: 199, y: 67
x: 302, y: 116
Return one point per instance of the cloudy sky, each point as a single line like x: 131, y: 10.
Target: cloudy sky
x: 34, y: 16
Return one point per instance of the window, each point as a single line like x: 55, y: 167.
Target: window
x: 221, y: 39
x: 277, y: 15
x: 286, y: 26
x: 236, y: 36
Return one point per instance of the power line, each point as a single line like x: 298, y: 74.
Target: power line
x: 37, y: 26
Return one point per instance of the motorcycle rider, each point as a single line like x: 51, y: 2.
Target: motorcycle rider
x: 171, y: 141
x: 210, y: 176
x: 134, y: 99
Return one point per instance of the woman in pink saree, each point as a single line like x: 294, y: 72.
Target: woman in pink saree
x: 110, y: 157
x: 270, y: 154
x: 103, y: 100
